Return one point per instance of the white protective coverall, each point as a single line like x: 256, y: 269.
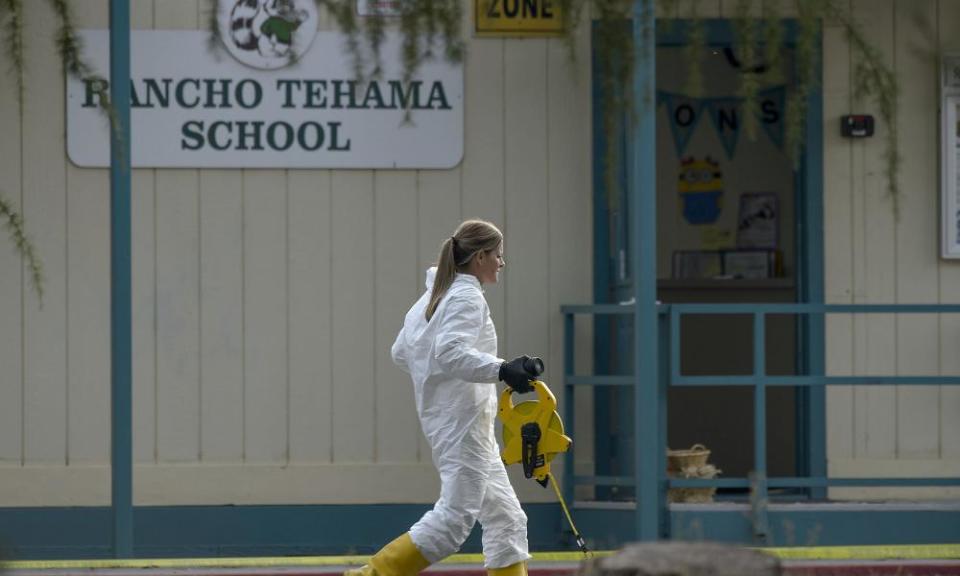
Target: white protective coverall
x: 454, y: 366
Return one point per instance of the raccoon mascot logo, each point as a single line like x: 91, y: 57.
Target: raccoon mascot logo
x: 267, y: 33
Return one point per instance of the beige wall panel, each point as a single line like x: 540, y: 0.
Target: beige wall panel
x: 949, y: 408
x: 353, y: 317
x: 728, y: 8
x: 837, y: 228
x: 178, y: 287
x: 141, y: 14
x: 667, y: 9
x: 144, y: 318
x: 221, y: 315
x: 92, y: 14
x: 265, y: 315
x: 143, y: 290
x: 705, y: 8
x: 949, y: 15
x: 45, y: 203
x: 439, y: 213
x: 528, y: 213
x: 786, y: 8
x: 398, y: 283
x: 221, y: 484
x: 569, y: 148
x: 13, y: 283
x: 527, y: 200
x: 890, y: 468
x: 205, y: 11
x: 311, y: 333
x: 875, y: 272
x: 324, y: 20
x: 177, y: 14
x: 917, y: 253
x: 483, y: 156
x: 88, y: 315
x: 178, y: 315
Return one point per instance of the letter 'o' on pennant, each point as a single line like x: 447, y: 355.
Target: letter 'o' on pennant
x: 683, y: 114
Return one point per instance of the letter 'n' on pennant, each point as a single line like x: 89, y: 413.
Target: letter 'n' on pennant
x: 726, y: 114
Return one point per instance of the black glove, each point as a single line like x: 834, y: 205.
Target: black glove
x: 518, y: 373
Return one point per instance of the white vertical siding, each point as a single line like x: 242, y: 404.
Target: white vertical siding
x: 265, y: 315
x: 527, y: 206
x: 88, y: 301
x: 13, y: 289
x: 438, y: 208
x: 353, y: 318
x: 571, y: 201
x: 264, y: 302
x: 221, y: 315
x: 837, y: 225
x: 177, y: 289
x: 143, y: 312
x: 44, y: 200
x: 398, y: 282
x: 874, y: 256
x: 482, y: 170
x: 143, y: 287
x: 178, y: 315
x: 948, y: 13
x: 311, y: 384
x: 875, y: 407
x: 88, y: 315
x: 917, y: 255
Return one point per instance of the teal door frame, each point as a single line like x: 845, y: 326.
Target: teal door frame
x: 808, y: 180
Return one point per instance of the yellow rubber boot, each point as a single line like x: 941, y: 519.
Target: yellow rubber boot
x: 398, y: 558
x: 518, y: 569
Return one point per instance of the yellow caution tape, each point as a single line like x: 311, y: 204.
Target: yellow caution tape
x: 897, y: 552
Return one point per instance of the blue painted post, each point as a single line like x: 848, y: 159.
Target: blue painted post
x: 663, y: 385
x: 569, y: 393
x: 120, y: 306
x: 759, y: 496
x: 644, y: 259
x: 814, y: 286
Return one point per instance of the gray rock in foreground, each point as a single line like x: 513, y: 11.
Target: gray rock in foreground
x: 682, y: 559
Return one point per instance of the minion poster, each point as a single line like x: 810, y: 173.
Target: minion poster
x: 700, y: 185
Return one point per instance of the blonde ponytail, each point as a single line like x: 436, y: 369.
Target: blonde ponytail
x: 471, y: 237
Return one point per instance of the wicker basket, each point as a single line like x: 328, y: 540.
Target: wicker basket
x: 691, y: 463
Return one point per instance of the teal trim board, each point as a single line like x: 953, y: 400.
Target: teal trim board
x: 648, y: 445
x: 121, y: 309
x: 199, y: 531
x: 244, y: 531
x: 812, y: 402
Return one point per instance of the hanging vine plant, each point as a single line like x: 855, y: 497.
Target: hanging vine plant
x: 13, y: 222
x: 433, y: 29
x: 73, y: 63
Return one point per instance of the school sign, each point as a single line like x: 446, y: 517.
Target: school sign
x: 267, y: 102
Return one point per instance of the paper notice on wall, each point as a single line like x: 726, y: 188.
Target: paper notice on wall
x: 956, y: 189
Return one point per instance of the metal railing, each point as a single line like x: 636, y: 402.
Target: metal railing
x: 669, y: 374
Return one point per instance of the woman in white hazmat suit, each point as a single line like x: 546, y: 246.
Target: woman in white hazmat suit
x: 448, y: 345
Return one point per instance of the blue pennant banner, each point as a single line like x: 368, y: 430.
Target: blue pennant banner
x: 726, y: 115
x: 684, y: 115
x: 771, y: 111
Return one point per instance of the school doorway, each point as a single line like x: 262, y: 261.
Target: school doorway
x: 731, y: 211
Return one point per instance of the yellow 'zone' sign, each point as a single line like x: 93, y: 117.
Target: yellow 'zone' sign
x: 517, y: 17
